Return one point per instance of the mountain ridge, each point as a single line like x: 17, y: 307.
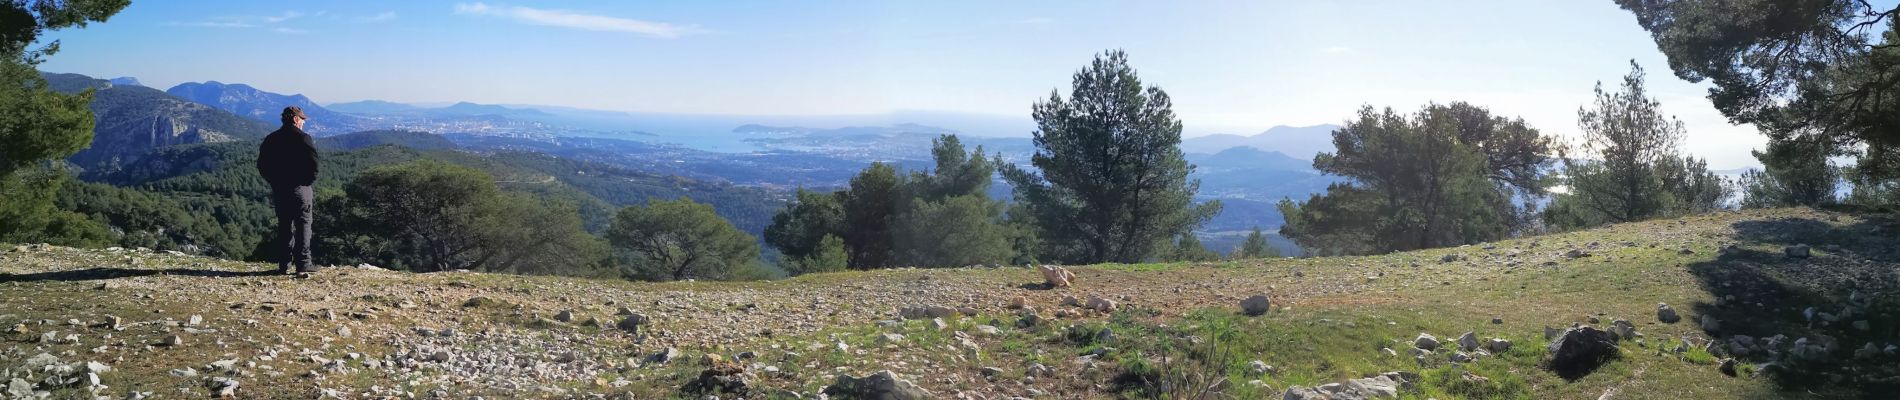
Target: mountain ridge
x: 130, y: 120
x: 1295, y: 141
x: 264, y: 106
x: 458, y: 109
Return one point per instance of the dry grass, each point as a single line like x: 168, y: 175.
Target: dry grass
x: 1340, y: 312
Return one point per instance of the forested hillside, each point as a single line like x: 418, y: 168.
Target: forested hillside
x: 208, y: 198
x: 133, y: 119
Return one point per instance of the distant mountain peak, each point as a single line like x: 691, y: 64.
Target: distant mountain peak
x: 1280, y: 127
x: 260, y: 105
x: 1298, y: 142
x: 133, y: 119
x: 125, y: 81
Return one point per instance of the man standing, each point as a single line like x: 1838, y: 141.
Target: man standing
x: 288, y: 160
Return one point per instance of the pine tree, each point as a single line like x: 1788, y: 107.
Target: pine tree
x: 1636, y: 173
x: 1444, y: 176
x: 681, y: 239
x: 871, y: 208
x: 828, y: 256
x: 1629, y: 134
x: 1797, y: 173
x: 1189, y: 248
x: 1805, y: 72
x: 797, y: 231
x: 951, y: 220
x: 39, y: 124
x: 1111, y: 184
x: 1255, y: 246
x: 427, y: 211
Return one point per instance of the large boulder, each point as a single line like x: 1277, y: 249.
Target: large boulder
x: 223, y: 388
x: 720, y: 376
x: 1497, y: 345
x: 1666, y: 314
x: 1382, y: 386
x: 1578, y: 351
x: 632, y: 322
x: 1468, y: 341
x: 1056, y: 277
x: 1426, y: 342
x: 1256, y: 305
x: 1377, y: 387
x: 926, y: 312
x: 1622, y: 329
x: 1797, y: 251
x: 1303, y: 393
x: 1809, y: 350
x: 882, y: 385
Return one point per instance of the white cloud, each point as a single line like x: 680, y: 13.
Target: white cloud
x: 213, y: 24
x: 385, y: 16
x: 288, y: 15
x: 242, y: 21
x: 1338, y: 50
x: 574, y: 20
x: 292, y: 31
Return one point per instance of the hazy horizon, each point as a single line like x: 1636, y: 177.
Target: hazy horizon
x: 1237, y: 68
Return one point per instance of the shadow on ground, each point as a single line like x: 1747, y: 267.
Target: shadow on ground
x: 1762, y: 292
x: 95, y: 274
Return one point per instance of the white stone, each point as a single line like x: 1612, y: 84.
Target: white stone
x: 1468, y: 341
x: 1426, y: 341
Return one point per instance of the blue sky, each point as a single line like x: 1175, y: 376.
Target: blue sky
x: 1231, y: 67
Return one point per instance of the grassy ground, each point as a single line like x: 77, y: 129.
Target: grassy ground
x: 1176, y: 333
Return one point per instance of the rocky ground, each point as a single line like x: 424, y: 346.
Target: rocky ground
x: 1760, y: 304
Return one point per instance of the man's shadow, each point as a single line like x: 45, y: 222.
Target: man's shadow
x: 94, y: 274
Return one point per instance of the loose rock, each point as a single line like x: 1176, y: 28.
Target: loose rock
x: 1468, y: 341
x: 1797, y: 251
x: 1578, y: 351
x: 670, y: 354
x: 1426, y: 342
x: 632, y: 322
x: 224, y: 388
x: 1666, y: 314
x: 1623, y: 330
x: 1256, y: 305
x: 1100, y: 304
x: 1056, y: 277
x: 880, y: 385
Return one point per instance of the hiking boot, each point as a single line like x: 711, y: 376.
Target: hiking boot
x: 283, y: 269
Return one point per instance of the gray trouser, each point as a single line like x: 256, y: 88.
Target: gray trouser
x: 293, y: 224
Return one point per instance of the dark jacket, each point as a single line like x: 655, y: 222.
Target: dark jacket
x: 288, y: 157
